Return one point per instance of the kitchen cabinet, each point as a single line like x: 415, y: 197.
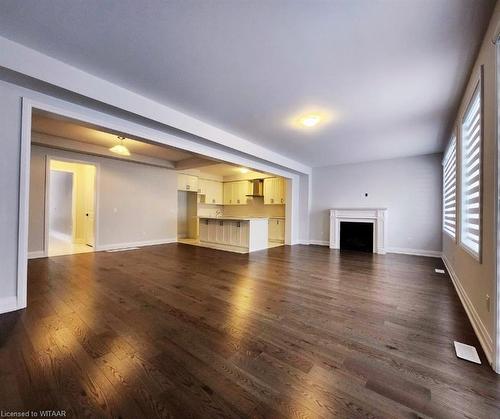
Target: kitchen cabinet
x: 187, y: 183
x: 274, y: 191
x: 212, y: 190
x: 277, y: 230
x: 240, y: 235
x: 235, y: 193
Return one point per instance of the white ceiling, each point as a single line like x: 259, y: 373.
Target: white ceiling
x: 68, y: 129
x: 390, y: 72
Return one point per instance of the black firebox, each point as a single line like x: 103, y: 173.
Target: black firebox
x: 356, y: 236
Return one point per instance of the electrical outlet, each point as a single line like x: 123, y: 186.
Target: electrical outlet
x: 488, y: 302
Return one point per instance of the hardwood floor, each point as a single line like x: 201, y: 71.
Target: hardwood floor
x: 182, y: 331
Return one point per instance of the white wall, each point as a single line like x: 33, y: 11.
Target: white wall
x: 10, y: 123
x: 136, y: 203
x: 409, y: 187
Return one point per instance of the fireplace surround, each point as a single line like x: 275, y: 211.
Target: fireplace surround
x: 377, y: 216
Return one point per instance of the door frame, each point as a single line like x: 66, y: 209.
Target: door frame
x: 48, y: 159
x: 496, y: 282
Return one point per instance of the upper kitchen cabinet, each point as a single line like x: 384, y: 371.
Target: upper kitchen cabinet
x: 187, y: 183
x: 212, y: 190
x: 274, y: 191
x: 235, y: 193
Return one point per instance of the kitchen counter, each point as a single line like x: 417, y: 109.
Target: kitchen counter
x: 228, y: 217
x: 242, y: 234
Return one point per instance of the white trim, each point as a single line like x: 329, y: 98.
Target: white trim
x: 115, y: 246
x: 496, y: 238
x: 376, y: 216
x: 23, y: 220
x: 32, y: 63
x: 475, y: 320
x: 9, y: 304
x: 37, y: 254
x: 415, y: 252
x: 319, y: 242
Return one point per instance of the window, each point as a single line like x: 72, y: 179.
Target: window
x: 470, y: 214
x: 450, y: 189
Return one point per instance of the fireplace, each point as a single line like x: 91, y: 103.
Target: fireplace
x: 356, y: 236
x: 377, y: 217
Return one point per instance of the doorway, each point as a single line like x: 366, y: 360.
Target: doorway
x: 187, y: 216
x: 70, y: 207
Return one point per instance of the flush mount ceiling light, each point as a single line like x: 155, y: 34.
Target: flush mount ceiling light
x: 310, y: 120
x: 120, y: 148
x: 244, y: 170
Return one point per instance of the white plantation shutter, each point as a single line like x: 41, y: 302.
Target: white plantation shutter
x: 470, y: 215
x: 450, y: 189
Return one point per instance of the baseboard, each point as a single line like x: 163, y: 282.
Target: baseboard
x: 478, y: 326
x: 8, y: 304
x: 36, y: 254
x: 135, y: 244
x: 302, y: 241
x: 414, y: 252
x: 319, y: 242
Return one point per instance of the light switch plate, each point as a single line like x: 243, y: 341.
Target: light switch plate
x: 439, y: 271
x: 467, y: 352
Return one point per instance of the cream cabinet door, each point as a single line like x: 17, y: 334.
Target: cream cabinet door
x: 280, y: 236
x: 212, y: 231
x: 235, y: 238
x: 181, y: 181
x: 274, y: 191
x: 219, y: 231
x: 240, y: 191
x: 187, y: 183
x: 273, y: 229
x: 204, y: 230
x: 228, y: 193
x: 204, y: 187
x: 244, y: 234
x: 270, y: 191
x: 217, y: 197
x: 214, y: 194
x: 276, y: 230
x: 227, y: 232
x: 192, y: 183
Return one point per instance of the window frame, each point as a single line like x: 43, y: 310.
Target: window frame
x: 453, y: 138
x: 478, y: 89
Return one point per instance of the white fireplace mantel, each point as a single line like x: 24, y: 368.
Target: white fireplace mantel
x: 377, y: 216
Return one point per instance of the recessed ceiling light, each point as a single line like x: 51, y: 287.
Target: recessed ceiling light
x: 120, y: 148
x: 244, y: 170
x: 310, y: 120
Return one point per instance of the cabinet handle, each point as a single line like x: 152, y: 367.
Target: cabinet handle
x: 221, y: 223
x: 281, y: 200
x: 213, y: 201
x: 238, y: 224
x: 272, y: 200
x: 187, y: 186
x: 238, y: 201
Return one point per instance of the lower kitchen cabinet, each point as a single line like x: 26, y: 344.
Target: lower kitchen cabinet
x: 277, y: 230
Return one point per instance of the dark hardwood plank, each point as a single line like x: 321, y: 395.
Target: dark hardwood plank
x: 179, y: 331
